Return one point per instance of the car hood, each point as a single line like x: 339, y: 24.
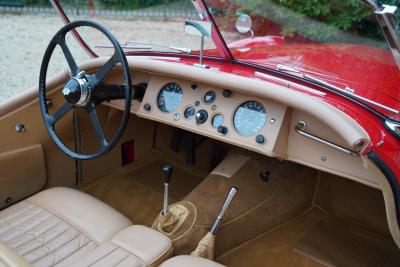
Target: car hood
x: 371, y: 72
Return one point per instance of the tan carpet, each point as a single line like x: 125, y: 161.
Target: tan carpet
x: 335, y: 244
x: 136, y: 190
x: 275, y: 248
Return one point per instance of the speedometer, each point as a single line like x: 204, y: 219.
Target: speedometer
x: 170, y: 97
x: 249, y: 118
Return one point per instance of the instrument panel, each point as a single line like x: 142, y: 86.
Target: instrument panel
x: 216, y: 112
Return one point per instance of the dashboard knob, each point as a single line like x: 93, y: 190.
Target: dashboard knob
x: 222, y: 130
x: 227, y: 93
x: 260, y: 139
x: 201, y: 116
x: 147, y: 107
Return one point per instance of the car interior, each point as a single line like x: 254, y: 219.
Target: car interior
x: 295, y: 188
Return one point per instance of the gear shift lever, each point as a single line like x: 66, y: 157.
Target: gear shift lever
x: 205, y: 248
x: 167, y: 171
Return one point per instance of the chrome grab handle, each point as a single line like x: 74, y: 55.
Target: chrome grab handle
x: 300, y: 129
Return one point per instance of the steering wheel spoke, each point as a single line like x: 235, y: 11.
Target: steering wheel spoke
x: 104, y: 70
x: 69, y: 57
x: 94, y: 119
x: 61, y: 112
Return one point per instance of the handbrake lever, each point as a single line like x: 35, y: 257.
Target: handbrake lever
x: 221, y: 214
x: 205, y: 248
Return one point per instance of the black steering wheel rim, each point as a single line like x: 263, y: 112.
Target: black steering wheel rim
x: 93, y: 81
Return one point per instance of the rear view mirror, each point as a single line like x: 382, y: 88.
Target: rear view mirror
x: 200, y: 28
x: 244, y: 24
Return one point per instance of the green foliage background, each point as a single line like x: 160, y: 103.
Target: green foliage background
x: 329, y: 18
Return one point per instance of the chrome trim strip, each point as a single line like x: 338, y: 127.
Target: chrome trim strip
x: 351, y: 92
x: 300, y: 129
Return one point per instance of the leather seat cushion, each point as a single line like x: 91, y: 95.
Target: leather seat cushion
x: 192, y: 261
x: 135, y: 246
x: 58, y: 225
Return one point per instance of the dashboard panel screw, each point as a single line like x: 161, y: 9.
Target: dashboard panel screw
x: 213, y: 107
x: 197, y: 103
x: 177, y: 117
x: 272, y: 121
x: 193, y: 86
x: 323, y: 158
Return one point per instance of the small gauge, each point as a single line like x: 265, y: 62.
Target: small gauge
x: 217, y: 120
x: 189, y: 113
x: 209, y: 97
x: 169, y: 97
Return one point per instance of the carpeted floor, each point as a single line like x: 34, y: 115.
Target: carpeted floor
x: 314, y: 239
x: 136, y: 190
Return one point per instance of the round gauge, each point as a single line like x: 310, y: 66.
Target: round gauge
x: 209, y: 97
x: 170, y: 97
x: 189, y: 113
x: 249, y: 118
x: 217, y: 120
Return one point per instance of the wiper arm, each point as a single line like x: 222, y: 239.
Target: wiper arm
x: 146, y: 46
x: 347, y: 90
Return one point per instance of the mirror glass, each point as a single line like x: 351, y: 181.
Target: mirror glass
x: 244, y: 23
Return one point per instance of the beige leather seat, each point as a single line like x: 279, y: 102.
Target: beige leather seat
x: 65, y: 227
x: 192, y: 261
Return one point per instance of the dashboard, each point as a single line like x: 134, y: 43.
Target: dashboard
x: 216, y: 112
x: 251, y: 114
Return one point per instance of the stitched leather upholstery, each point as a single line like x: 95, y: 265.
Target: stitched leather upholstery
x: 135, y: 246
x: 58, y: 225
x: 65, y: 227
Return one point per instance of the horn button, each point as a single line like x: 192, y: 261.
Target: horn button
x: 76, y: 91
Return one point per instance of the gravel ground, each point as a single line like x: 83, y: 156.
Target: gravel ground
x: 24, y: 38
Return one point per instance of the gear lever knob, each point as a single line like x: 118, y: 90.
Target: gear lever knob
x: 167, y: 171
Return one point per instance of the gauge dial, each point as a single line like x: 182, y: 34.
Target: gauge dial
x: 249, y: 118
x: 170, y: 97
x: 189, y: 112
x: 217, y: 120
x: 209, y: 97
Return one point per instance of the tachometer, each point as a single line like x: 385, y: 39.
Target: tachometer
x: 249, y: 118
x: 170, y: 97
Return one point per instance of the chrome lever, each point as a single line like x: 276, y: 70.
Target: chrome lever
x: 221, y: 214
x: 300, y: 129
x: 167, y: 171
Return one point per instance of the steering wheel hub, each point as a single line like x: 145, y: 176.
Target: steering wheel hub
x: 77, y: 90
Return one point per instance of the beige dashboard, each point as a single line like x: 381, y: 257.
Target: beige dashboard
x: 280, y: 138
x: 284, y: 109
x: 224, y: 106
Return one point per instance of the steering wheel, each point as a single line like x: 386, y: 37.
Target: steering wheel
x: 86, y: 91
